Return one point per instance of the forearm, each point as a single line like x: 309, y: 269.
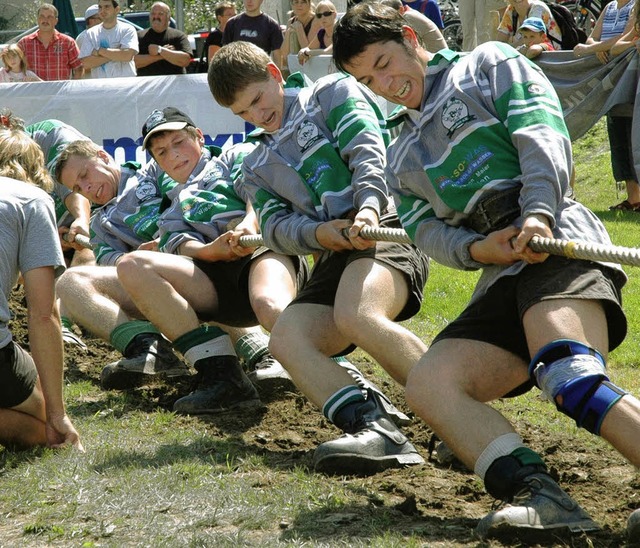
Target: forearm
x: 144, y: 60
x: 178, y: 58
x: 80, y: 209
x: 116, y: 54
x: 45, y: 338
x: 45, y: 341
x: 93, y: 61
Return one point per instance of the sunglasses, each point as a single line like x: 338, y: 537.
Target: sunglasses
x: 324, y: 14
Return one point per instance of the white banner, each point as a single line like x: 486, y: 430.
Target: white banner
x: 112, y: 111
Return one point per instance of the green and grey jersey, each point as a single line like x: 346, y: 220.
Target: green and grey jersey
x: 325, y: 162
x: 52, y: 136
x: 489, y: 121
x: 202, y: 208
x: 131, y: 218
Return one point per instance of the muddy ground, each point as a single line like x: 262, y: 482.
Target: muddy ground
x: 441, y: 504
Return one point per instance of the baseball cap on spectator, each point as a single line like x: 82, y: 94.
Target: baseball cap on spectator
x: 167, y: 119
x: 533, y: 23
x: 91, y: 11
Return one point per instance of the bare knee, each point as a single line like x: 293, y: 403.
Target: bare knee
x: 268, y: 308
x: 130, y: 266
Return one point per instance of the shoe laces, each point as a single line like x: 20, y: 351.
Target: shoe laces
x: 533, y: 486
x: 265, y: 362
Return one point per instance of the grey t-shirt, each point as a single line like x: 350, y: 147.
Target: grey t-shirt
x: 28, y: 240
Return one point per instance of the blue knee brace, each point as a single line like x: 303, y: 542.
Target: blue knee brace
x: 579, y: 388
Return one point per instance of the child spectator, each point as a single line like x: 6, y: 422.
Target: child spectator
x: 16, y: 68
x: 534, y: 37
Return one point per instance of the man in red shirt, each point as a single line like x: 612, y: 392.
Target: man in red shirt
x: 51, y: 55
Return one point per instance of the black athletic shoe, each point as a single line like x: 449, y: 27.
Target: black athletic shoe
x: 371, y: 443
x: 540, y: 507
x: 148, y: 355
x: 222, y: 386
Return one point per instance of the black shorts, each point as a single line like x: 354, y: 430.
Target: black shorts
x: 18, y: 375
x: 496, y: 317
x: 328, y: 268
x: 231, y: 280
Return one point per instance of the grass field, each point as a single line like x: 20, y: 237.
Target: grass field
x: 151, y: 478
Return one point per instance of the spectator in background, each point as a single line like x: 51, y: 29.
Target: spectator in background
x: 256, y: 27
x: 612, y: 25
x: 51, y: 54
x: 163, y: 50
x: 109, y: 48
x: 302, y: 28
x: 519, y: 10
x: 16, y: 68
x: 322, y: 42
x: 475, y: 18
x: 430, y: 9
x: 32, y: 410
x: 534, y: 38
x: 91, y: 18
x: 425, y: 28
x: 224, y: 11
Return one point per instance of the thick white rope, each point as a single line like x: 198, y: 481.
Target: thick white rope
x: 564, y: 248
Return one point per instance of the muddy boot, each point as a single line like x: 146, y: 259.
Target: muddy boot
x: 633, y: 526
x: 371, y: 443
x: 70, y: 337
x: 222, y: 386
x: 397, y: 416
x: 540, y: 507
x: 268, y: 375
x: 147, y: 355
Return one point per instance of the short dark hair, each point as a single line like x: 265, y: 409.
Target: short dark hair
x: 235, y: 67
x: 365, y: 24
x: 221, y: 7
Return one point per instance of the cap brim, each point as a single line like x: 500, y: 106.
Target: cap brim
x: 167, y: 126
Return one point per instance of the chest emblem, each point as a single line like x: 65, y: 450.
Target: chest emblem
x: 455, y: 114
x: 308, y: 132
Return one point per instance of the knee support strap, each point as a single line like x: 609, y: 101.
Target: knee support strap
x: 573, y: 375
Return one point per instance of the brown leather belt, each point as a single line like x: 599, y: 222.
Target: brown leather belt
x: 496, y: 211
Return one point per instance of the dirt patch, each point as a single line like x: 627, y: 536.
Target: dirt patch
x: 439, y: 504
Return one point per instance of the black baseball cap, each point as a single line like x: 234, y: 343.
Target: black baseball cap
x: 167, y: 119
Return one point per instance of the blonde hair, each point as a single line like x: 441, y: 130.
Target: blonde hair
x: 81, y: 148
x: 13, y: 49
x: 22, y: 159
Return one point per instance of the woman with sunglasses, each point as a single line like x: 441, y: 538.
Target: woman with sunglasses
x: 302, y: 27
x: 322, y: 43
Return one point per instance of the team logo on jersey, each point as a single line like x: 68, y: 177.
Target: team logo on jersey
x: 145, y: 189
x: 536, y: 89
x: 307, y: 134
x: 455, y: 114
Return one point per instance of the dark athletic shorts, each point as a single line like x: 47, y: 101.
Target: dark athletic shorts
x: 329, y: 266
x: 18, y: 375
x: 231, y: 280
x: 496, y: 317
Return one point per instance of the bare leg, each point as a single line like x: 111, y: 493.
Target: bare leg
x: 94, y: 298
x: 370, y: 295
x: 272, y: 286
x: 302, y: 340
x: 585, y: 321
x: 24, y: 424
x: 169, y: 290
